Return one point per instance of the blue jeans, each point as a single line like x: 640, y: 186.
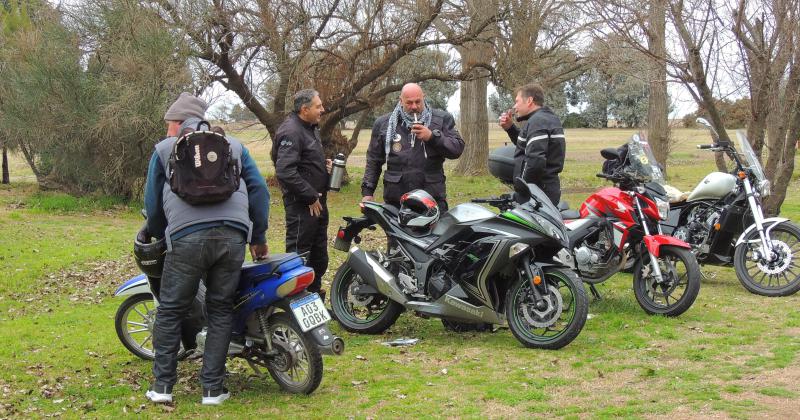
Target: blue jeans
x: 215, y: 255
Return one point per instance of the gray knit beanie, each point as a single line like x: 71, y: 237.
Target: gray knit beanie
x: 185, y: 107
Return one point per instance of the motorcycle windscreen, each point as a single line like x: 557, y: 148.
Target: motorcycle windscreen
x: 642, y: 162
x: 750, y: 155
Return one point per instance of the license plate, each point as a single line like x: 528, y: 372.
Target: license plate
x: 310, y: 312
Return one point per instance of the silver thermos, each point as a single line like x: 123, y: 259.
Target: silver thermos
x: 337, y: 173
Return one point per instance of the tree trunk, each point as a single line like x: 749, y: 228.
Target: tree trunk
x: 657, y: 106
x: 474, y: 116
x: 474, y: 128
x: 6, y: 179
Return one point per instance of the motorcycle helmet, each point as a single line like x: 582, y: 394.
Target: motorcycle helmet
x: 418, y: 209
x: 149, y: 256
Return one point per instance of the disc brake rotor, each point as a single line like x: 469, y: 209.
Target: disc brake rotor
x: 358, y: 299
x: 782, y: 263
x: 550, y: 314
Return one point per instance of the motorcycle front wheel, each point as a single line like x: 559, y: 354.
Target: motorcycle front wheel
x: 134, y: 325
x: 358, y: 312
x: 554, y: 324
x: 776, y: 275
x: 298, y: 367
x: 678, y: 287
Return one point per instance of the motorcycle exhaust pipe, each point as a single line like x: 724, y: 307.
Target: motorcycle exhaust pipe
x: 375, y: 274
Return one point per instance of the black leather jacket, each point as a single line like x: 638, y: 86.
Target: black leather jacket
x: 409, y: 168
x: 541, y: 147
x: 299, y: 160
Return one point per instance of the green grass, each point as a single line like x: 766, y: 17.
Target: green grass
x: 732, y: 354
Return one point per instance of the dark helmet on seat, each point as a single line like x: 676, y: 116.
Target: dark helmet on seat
x: 418, y: 209
x: 149, y: 256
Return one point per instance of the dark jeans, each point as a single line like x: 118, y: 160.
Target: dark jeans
x: 216, y: 255
x: 304, y: 233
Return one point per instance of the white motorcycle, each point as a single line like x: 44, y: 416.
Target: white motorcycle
x: 722, y: 219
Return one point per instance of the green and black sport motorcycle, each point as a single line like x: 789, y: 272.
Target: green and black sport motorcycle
x: 473, y: 267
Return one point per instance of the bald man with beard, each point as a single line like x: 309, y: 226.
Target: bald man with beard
x: 413, y: 141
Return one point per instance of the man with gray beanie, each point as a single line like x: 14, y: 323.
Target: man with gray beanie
x: 203, y: 242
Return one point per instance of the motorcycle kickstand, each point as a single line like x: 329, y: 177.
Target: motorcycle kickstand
x: 595, y: 293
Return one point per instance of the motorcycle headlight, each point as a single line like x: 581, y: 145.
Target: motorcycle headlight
x: 663, y: 208
x: 764, y: 187
x: 550, y: 228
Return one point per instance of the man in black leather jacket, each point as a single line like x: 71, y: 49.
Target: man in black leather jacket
x: 302, y: 172
x: 414, y: 152
x: 541, y: 147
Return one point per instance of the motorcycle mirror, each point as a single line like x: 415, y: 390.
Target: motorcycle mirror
x: 609, y: 153
x: 523, y: 193
x: 704, y: 122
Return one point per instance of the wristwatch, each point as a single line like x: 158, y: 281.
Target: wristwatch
x: 436, y: 133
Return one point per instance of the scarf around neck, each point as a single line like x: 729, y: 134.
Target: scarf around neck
x: 399, y: 115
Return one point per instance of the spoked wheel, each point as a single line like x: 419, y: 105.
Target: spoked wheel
x: 367, y: 313
x: 298, y: 366
x: 134, y: 324
x: 557, y: 320
x: 770, y: 274
x: 676, y: 290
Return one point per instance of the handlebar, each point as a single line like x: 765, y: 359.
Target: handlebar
x: 502, y: 202
x: 705, y: 146
x: 605, y: 176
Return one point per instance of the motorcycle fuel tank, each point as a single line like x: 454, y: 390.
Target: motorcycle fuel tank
x: 714, y: 186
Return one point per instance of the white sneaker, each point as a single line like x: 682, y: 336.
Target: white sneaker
x: 215, y: 396
x: 159, y: 397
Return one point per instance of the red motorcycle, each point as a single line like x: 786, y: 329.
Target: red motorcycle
x: 622, y: 222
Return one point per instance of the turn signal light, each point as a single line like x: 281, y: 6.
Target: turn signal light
x: 717, y: 226
x: 742, y: 175
x: 537, y: 280
x: 340, y: 235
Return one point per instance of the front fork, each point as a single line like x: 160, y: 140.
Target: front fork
x: 758, y: 218
x: 643, y: 221
x: 526, y: 273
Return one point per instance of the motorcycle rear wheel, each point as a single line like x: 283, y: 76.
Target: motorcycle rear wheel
x: 301, y: 371
x: 134, y: 325
x: 365, y: 314
x: 752, y: 274
x: 658, y: 298
x: 551, y: 333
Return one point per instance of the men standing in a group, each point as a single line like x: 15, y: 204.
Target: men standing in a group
x: 302, y: 171
x: 413, y: 140
x: 539, y: 156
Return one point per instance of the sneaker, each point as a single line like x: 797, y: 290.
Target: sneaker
x: 159, y: 394
x: 215, y: 396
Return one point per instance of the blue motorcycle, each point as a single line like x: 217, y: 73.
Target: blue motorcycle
x: 278, y: 325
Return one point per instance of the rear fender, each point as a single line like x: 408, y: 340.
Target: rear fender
x: 134, y: 286
x: 346, y: 234
x: 655, y: 242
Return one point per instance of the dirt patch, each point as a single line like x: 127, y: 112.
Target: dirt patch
x: 768, y: 406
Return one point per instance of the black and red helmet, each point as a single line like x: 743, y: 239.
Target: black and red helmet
x: 418, y: 209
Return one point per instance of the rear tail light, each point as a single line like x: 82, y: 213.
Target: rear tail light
x: 296, y: 284
x: 340, y: 235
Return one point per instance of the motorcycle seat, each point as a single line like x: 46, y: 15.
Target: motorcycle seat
x: 570, y: 214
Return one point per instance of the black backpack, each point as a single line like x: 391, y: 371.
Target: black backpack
x: 202, y: 168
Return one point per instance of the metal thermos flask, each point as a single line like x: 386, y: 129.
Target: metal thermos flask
x: 337, y: 173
